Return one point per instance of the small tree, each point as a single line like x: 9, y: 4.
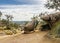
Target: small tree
x: 8, y: 17
x: 8, y: 20
x: 0, y: 15
x: 11, y: 17
x: 54, y: 4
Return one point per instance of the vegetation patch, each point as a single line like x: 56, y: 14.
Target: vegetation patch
x: 55, y: 32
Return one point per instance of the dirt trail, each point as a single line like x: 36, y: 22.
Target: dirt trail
x: 27, y: 38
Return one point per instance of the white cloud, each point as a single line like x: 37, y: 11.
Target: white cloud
x: 23, y: 12
x: 31, y: 1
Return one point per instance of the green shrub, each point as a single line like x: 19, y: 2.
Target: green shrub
x: 56, y: 29
x: 14, y: 31
x: 1, y: 28
x: 16, y: 25
x: 8, y: 32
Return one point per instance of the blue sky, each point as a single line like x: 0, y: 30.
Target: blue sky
x: 22, y: 10
x: 4, y: 2
x: 20, y: 2
x: 12, y: 2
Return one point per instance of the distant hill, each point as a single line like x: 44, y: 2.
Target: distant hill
x: 20, y: 22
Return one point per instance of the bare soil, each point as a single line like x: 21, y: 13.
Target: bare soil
x: 36, y: 37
